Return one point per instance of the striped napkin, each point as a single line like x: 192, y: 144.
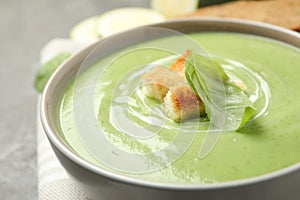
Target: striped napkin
x: 54, y: 182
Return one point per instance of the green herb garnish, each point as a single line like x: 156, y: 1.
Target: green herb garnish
x: 46, y: 70
x: 227, y: 106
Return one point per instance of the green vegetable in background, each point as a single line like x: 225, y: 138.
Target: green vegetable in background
x: 211, y: 2
x: 46, y: 70
x: 227, y: 106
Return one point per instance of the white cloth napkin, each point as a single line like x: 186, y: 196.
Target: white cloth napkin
x: 54, y: 182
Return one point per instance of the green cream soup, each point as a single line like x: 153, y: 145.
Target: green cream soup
x: 270, y: 141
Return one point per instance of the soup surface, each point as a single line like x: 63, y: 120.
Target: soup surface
x: 135, y: 125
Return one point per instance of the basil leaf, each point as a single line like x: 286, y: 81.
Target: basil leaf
x: 227, y: 106
x: 46, y: 70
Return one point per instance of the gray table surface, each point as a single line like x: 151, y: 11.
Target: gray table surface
x: 25, y: 26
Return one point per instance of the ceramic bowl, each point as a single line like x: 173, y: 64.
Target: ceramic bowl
x: 102, y: 184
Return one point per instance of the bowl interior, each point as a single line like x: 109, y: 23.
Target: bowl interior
x: 64, y: 75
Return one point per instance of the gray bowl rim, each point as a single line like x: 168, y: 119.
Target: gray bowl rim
x: 56, y: 141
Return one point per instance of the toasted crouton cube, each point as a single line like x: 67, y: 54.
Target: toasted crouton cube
x: 181, y: 103
x: 157, y: 82
x: 179, y: 65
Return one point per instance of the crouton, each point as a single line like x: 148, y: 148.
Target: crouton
x: 171, y: 87
x: 181, y: 103
x: 179, y: 65
x: 158, y: 81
